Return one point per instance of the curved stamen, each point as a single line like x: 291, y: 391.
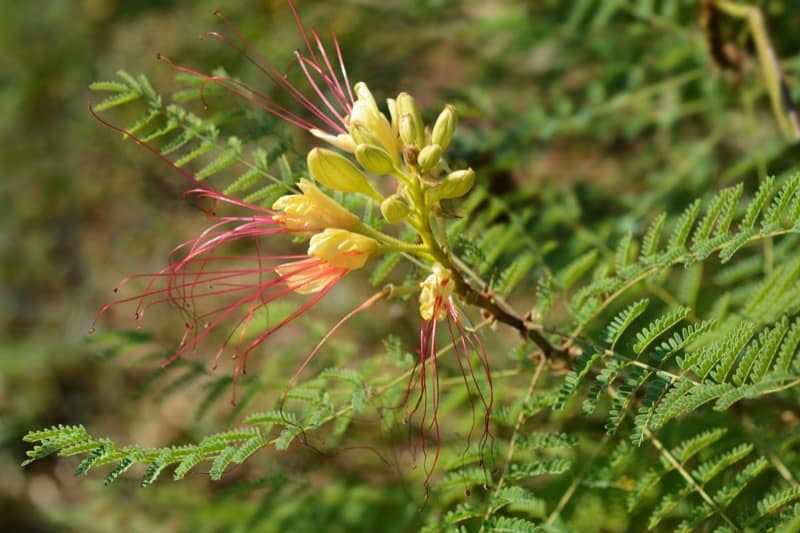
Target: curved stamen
x: 343, y: 69
x: 253, y: 56
x: 244, y: 91
x: 302, y: 61
x: 332, y: 81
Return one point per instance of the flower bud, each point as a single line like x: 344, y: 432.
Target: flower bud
x: 406, y: 105
x: 366, y: 115
x: 374, y: 159
x: 429, y: 157
x: 408, y: 134
x: 364, y: 94
x: 455, y: 185
x: 444, y: 127
x: 342, y: 248
x: 391, y: 103
x: 362, y: 135
x: 394, y: 208
x: 337, y: 172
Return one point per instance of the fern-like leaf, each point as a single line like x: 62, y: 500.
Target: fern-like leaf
x: 617, y: 327
x: 648, y: 334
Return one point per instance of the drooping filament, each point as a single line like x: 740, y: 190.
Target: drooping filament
x: 466, y: 345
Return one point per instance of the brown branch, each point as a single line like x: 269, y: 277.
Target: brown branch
x: 506, y: 315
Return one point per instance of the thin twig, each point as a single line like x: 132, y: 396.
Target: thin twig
x: 689, y: 479
x: 567, y: 496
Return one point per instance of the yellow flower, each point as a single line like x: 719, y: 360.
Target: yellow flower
x: 341, y: 248
x: 307, y: 276
x: 331, y: 254
x: 436, y: 290
x: 311, y: 211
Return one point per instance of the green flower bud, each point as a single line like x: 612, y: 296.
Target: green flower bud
x: 374, y: 159
x: 444, y: 127
x: 408, y: 133
x: 455, y: 185
x: 393, y: 114
x: 429, y: 157
x: 337, y: 172
x: 361, y: 134
x: 406, y: 105
x: 394, y: 208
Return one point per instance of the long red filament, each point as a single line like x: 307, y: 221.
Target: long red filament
x: 319, y: 63
x: 425, y: 379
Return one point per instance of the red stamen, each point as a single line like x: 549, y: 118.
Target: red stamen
x: 366, y: 305
x: 425, y: 378
x: 342, y: 68
x: 319, y: 63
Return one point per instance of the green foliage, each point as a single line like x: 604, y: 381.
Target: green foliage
x: 186, y: 137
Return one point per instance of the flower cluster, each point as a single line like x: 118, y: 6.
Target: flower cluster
x: 391, y: 159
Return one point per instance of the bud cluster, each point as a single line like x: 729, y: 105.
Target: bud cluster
x: 398, y: 145
x: 395, y: 160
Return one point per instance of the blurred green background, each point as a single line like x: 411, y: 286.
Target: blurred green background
x: 587, y: 102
